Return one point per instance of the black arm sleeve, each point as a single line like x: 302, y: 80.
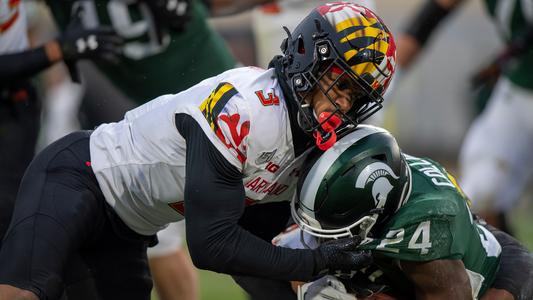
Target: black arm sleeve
x: 214, y: 202
x: 22, y: 65
x: 426, y: 20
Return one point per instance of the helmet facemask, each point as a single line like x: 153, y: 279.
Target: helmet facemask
x: 360, y: 227
x: 364, y: 100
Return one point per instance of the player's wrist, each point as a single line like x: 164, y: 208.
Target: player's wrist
x: 53, y: 51
x: 321, y: 267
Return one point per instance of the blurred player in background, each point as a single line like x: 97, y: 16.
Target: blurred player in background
x: 411, y: 214
x: 266, y: 20
x: 498, y: 148
x: 19, y: 106
x: 239, y: 136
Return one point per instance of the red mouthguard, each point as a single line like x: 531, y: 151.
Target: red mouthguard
x: 329, y: 122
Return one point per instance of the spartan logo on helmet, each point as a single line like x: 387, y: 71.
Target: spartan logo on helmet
x: 377, y: 174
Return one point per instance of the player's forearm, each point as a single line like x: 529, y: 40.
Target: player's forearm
x: 438, y: 279
x: 228, y: 7
x: 420, y: 28
x: 232, y: 250
x: 28, y: 63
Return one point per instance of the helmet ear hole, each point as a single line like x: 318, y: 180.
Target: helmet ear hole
x: 380, y: 157
x: 301, y: 46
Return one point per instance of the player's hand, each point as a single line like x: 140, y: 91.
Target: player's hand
x: 325, y: 288
x: 342, y: 255
x: 98, y: 43
x: 172, y: 14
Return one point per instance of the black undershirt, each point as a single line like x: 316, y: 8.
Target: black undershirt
x: 214, y: 203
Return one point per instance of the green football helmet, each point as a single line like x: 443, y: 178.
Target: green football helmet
x: 353, y: 187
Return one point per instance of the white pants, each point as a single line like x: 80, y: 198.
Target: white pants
x: 496, y: 159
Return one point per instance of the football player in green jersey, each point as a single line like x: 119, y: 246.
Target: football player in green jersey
x: 497, y: 150
x: 414, y: 219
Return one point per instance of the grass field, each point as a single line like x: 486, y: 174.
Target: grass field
x: 220, y: 287
x: 214, y: 286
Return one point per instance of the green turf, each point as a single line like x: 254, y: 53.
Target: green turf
x: 522, y: 223
x: 219, y: 286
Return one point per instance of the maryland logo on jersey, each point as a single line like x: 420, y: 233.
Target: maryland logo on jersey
x: 212, y: 106
x: 230, y: 127
x: 9, y: 13
x: 371, y: 49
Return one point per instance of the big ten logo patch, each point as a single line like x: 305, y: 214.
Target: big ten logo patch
x: 272, y: 98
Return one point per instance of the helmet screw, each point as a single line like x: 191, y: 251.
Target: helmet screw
x: 323, y: 49
x: 298, y: 81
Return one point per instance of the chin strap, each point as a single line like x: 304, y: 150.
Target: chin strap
x: 325, y: 135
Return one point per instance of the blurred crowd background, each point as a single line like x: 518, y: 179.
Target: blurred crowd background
x: 428, y: 109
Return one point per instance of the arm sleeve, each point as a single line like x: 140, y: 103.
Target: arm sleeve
x: 214, y: 202
x: 22, y: 65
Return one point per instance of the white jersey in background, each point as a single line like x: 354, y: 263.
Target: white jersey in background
x: 13, y: 27
x: 268, y: 19
x: 140, y: 161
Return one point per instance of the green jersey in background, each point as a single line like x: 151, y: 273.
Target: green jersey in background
x: 513, y: 18
x: 155, y: 61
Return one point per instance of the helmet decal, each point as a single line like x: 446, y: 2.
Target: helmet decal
x: 370, y: 40
x: 376, y: 173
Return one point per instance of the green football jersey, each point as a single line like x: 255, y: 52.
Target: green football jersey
x: 435, y: 223
x: 155, y: 61
x: 512, y: 18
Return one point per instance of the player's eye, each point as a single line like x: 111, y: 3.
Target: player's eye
x: 343, y: 85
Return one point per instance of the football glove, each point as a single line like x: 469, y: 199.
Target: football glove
x: 342, y: 256
x: 97, y: 43
x: 325, y: 288
x: 171, y: 14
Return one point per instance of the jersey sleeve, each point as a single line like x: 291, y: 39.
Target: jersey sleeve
x: 421, y: 239
x: 228, y: 121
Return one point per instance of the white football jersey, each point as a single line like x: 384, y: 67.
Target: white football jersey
x: 13, y: 27
x: 139, y: 162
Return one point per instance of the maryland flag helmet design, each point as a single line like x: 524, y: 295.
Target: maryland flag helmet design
x: 349, y: 40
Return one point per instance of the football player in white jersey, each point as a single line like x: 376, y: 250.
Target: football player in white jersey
x: 19, y: 104
x: 224, y: 154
